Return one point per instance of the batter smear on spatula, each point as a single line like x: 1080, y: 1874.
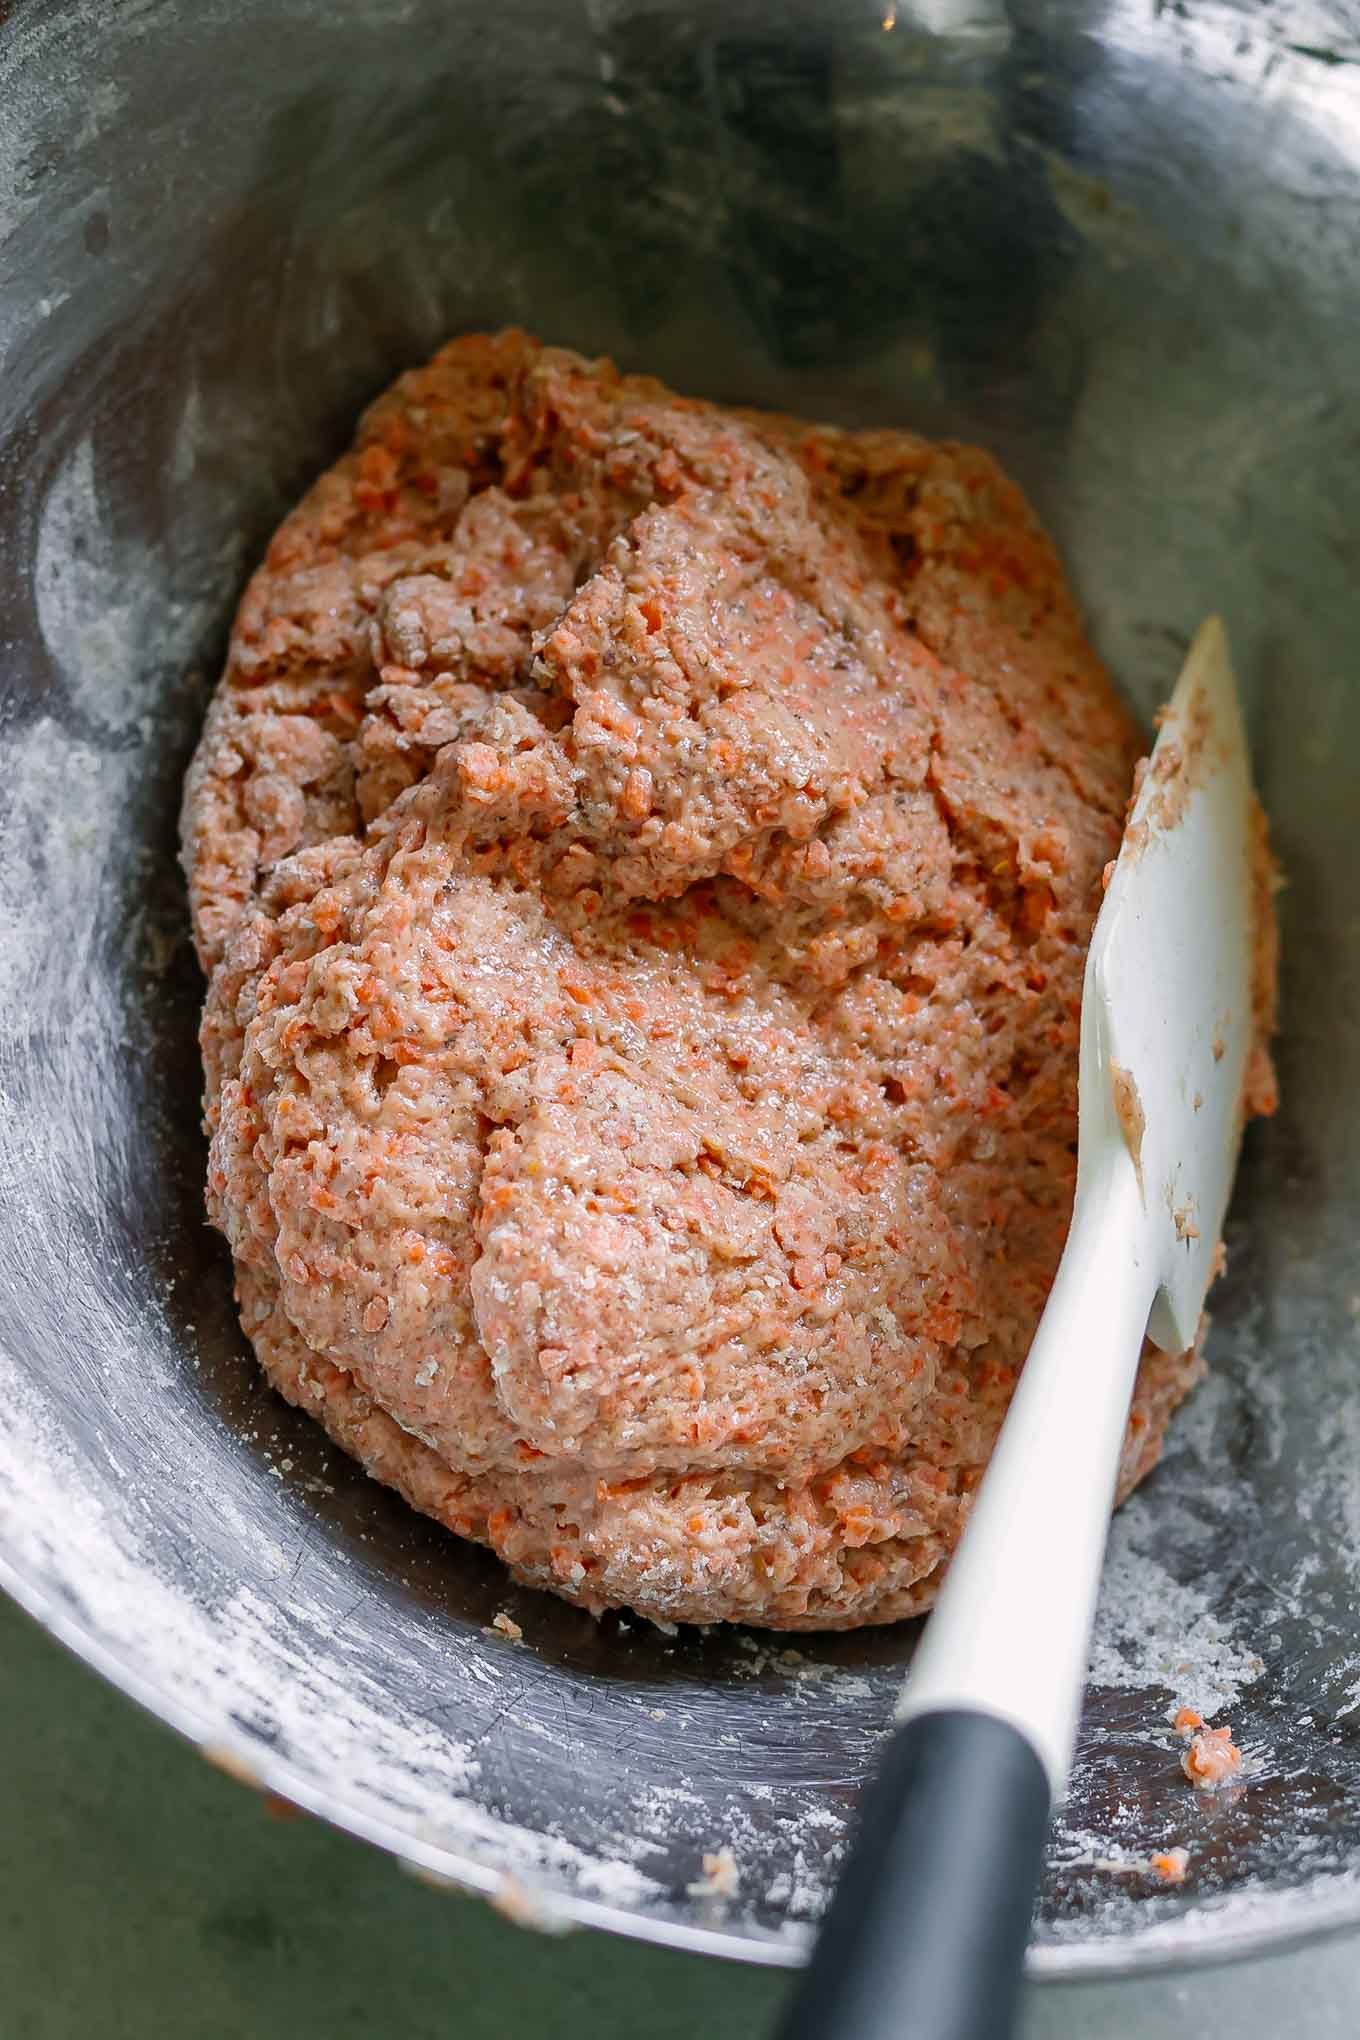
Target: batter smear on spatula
x: 644, y: 856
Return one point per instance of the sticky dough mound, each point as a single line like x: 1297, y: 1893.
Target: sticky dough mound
x: 644, y: 856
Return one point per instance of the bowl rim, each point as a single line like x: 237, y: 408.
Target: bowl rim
x: 1209, y: 1934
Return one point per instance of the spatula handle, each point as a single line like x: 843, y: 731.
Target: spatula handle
x: 926, y: 1935
x: 1011, y: 1628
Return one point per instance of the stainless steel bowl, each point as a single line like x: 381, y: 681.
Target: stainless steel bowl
x: 1117, y: 241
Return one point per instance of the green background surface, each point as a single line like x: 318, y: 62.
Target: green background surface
x: 143, y: 1895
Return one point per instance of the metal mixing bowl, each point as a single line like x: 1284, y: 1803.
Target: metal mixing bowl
x: 1117, y: 241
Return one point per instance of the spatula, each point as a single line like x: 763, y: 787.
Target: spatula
x: 925, y: 1938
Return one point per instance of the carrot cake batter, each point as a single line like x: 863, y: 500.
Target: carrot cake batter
x: 644, y: 856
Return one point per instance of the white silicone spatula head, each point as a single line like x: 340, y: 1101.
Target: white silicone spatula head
x: 929, y: 1925
x: 1165, y: 1034
x: 1166, y: 1016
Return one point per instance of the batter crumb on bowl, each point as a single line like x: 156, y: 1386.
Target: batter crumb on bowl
x: 720, y: 1879
x: 644, y: 856
x: 1212, y: 1759
x: 528, y: 1906
x: 1170, y: 1865
x: 279, y: 1808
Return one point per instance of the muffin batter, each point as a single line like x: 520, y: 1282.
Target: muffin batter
x: 644, y: 855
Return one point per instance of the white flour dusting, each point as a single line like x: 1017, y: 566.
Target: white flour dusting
x: 1152, y: 1630
x: 102, y: 604
x: 173, y: 1645
x: 61, y: 804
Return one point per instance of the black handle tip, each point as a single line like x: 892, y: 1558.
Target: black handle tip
x: 926, y: 1935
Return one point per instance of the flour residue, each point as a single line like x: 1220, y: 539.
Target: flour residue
x: 207, y: 1661
x: 61, y: 803
x: 1155, y: 1630
x: 111, y: 617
